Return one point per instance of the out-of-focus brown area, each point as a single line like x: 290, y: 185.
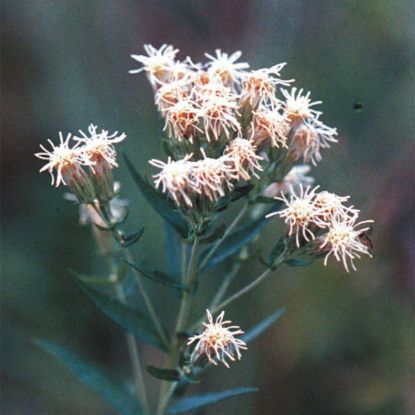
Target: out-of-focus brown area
x: 345, y: 345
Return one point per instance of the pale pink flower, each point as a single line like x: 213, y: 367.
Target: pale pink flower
x: 182, y: 120
x: 343, y: 240
x: 260, y: 86
x: 309, y: 138
x: 226, y: 67
x: 158, y: 63
x: 292, y: 181
x: 64, y: 161
x: 218, y: 341
x: 212, y: 177
x: 298, y: 106
x: 301, y: 214
x: 175, y: 179
x: 98, y: 147
x: 269, y: 123
x: 243, y: 157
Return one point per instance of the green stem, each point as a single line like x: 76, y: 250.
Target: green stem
x: 242, y: 291
x: 189, y: 278
x: 225, y: 235
x: 135, y: 360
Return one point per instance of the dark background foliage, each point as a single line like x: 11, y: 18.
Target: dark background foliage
x: 346, y: 344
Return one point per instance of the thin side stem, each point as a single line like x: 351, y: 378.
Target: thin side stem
x: 225, y: 235
x: 146, y: 298
x: 225, y: 285
x: 242, y: 291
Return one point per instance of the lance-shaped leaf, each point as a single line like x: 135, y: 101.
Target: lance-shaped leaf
x: 91, y: 279
x: 236, y: 194
x: 198, y: 401
x: 299, y: 262
x: 131, y: 239
x: 173, y: 250
x: 112, y: 390
x: 170, y: 375
x: 236, y: 240
x: 258, y: 329
x: 131, y: 319
x: 158, y: 276
x: 159, y: 202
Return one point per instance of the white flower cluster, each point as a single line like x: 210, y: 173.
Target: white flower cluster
x: 231, y: 112
x: 311, y: 211
x: 77, y: 159
x: 218, y: 342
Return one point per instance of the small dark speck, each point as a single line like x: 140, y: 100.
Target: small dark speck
x: 358, y: 106
x: 58, y: 210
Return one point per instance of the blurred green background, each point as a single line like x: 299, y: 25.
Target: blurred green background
x: 346, y: 343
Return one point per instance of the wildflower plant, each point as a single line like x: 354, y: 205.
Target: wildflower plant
x: 238, y: 147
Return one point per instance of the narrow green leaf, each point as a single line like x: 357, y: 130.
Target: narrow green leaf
x: 91, y: 279
x: 198, y: 401
x: 132, y: 238
x: 131, y: 319
x: 264, y: 199
x: 279, y: 249
x: 172, y: 249
x: 158, y: 276
x: 171, y: 375
x: 258, y: 329
x: 237, y: 193
x: 299, y: 262
x: 108, y: 387
x: 159, y: 202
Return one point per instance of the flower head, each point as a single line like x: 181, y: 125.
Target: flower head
x: 212, y: 177
x: 218, y: 342
x: 158, y: 64
x: 182, y: 120
x: 269, y: 123
x: 309, y: 138
x: 98, y: 147
x: 299, y: 106
x: 63, y: 160
x: 260, y: 85
x: 331, y: 205
x: 292, y: 181
x: 218, y: 114
x: 243, y: 157
x: 173, y: 92
x: 301, y: 213
x: 226, y: 67
x: 343, y: 240
x: 175, y: 179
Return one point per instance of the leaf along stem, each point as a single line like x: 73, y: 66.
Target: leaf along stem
x: 188, y: 279
x: 135, y: 360
x: 105, y: 214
